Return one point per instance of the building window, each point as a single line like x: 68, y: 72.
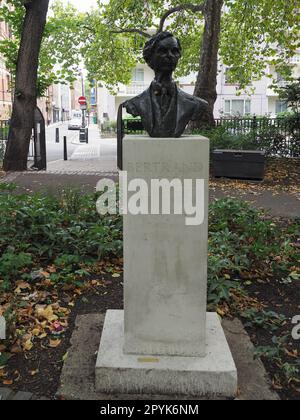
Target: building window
x: 237, y: 107
x: 138, y: 75
x: 281, y: 107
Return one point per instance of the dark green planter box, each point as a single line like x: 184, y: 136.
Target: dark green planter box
x: 239, y: 164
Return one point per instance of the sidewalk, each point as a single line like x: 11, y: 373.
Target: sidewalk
x: 94, y: 158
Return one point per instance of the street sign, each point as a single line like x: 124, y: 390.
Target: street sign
x: 83, y: 107
x: 82, y: 100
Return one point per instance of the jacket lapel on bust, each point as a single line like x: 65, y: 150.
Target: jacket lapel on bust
x: 145, y: 103
x: 185, y: 111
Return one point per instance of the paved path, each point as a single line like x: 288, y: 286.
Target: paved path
x: 55, y: 150
x: 281, y: 204
x: 99, y: 155
x: 7, y: 394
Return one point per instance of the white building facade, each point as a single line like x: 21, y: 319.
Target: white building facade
x: 263, y: 101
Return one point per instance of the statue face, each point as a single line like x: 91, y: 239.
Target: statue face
x: 166, y: 55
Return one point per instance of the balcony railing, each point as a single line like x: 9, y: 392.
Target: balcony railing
x: 133, y: 89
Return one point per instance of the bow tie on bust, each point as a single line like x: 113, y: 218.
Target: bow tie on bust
x: 160, y: 89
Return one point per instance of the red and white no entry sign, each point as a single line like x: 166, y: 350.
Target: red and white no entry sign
x: 82, y: 100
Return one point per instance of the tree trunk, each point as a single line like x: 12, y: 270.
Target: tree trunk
x: 206, y: 85
x: 25, y: 97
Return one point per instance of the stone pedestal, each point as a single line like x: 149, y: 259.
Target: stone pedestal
x: 120, y: 373
x: 164, y: 341
x: 165, y: 272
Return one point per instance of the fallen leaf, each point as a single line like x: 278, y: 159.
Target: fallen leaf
x: 54, y: 343
x: 220, y: 312
x: 2, y: 348
x: 16, y: 348
x: 45, y: 313
x: 34, y: 372
x: 36, y: 331
x: 23, y: 285
x: 45, y: 274
x: 65, y: 356
x: 27, y: 345
x: 293, y: 354
x: 7, y: 382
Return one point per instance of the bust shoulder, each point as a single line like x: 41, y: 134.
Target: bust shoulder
x: 195, y: 99
x: 133, y: 106
x: 199, y: 105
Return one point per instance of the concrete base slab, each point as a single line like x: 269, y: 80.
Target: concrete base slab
x: 117, y: 372
x: 78, y: 373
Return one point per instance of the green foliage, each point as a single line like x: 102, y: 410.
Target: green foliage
x: 277, y: 354
x: 268, y: 320
x: 60, y: 53
x: 11, y: 263
x: 40, y: 230
x: 256, y: 33
x: 291, y: 95
x: 110, y: 57
x: 260, y: 134
x: 240, y: 238
x: 4, y: 358
x: 109, y: 127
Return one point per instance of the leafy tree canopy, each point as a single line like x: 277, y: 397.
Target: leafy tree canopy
x: 111, y: 56
x: 254, y: 33
x: 291, y: 95
x: 60, y: 55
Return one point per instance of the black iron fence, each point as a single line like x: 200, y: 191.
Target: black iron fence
x: 277, y: 136
x: 247, y: 125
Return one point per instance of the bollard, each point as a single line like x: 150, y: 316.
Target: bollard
x: 65, y: 149
x: 87, y: 135
x: 57, y: 135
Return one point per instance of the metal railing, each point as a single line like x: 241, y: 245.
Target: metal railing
x: 246, y: 125
x: 4, y: 127
x: 276, y: 136
x: 279, y: 136
x: 134, y: 88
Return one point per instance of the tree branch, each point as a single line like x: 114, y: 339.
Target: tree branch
x: 131, y: 31
x: 188, y: 6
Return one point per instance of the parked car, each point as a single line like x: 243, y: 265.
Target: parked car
x: 75, y: 124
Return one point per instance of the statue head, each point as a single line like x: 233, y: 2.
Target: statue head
x: 162, y: 52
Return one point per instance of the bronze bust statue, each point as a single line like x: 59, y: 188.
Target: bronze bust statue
x: 165, y: 110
